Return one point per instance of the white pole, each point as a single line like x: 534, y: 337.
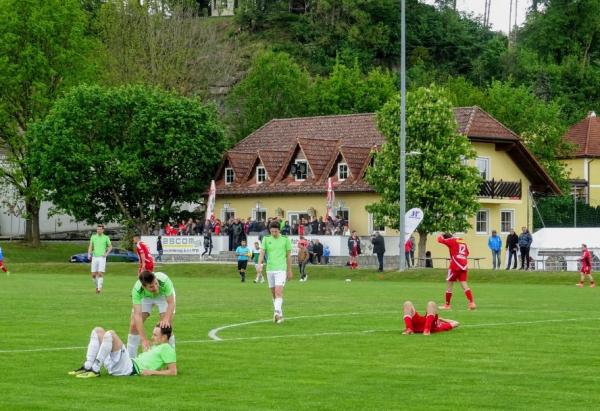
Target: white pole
x: 402, y: 199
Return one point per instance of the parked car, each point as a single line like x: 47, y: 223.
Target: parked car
x: 117, y: 255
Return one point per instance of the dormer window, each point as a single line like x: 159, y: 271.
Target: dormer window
x: 342, y: 171
x: 261, y: 174
x: 301, y: 170
x: 229, y: 175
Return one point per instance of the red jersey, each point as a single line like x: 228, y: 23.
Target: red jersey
x: 458, y: 252
x: 586, y: 262
x: 418, y: 323
x: 145, y: 256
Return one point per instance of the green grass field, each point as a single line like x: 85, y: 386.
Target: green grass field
x: 531, y: 344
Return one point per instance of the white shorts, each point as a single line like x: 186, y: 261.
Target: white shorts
x: 160, y: 302
x: 276, y: 278
x: 98, y: 264
x: 118, y: 363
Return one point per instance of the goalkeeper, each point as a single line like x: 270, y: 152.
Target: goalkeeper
x: 106, y: 349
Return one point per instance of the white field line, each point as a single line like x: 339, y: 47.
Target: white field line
x: 323, y: 334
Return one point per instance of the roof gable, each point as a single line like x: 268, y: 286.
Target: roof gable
x: 318, y: 153
x: 585, y: 135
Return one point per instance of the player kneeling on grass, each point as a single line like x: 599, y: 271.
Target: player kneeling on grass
x: 586, y: 267
x: 106, y: 349
x: 431, y: 323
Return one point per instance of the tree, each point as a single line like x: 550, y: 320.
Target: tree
x: 167, y: 44
x: 347, y: 90
x: 127, y: 154
x: 275, y: 87
x: 44, y: 50
x: 437, y: 180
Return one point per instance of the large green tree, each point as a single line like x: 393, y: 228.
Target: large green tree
x: 438, y: 180
x: 44, y: 50
x: 129, y: 154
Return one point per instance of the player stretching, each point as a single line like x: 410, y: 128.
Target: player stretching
x: 149, y: 290
x: 106, y: 349
x: 2, y: 266
x: 431, y: 323
x: 146, y: 259
x: 279, y: 266
x: 586, y: 267
x: 458, y: 268
x: 98, y: 249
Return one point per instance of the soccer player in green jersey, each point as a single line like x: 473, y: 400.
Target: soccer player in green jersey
x: 151, y: 289
x: 279, y: 266
x: 106, y: 349
x: 98, y: 249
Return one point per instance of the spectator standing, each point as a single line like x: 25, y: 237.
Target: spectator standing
x: 311, y: 251
x: 286, y: 228
x: 512, y: 245
x: 525, y: 240
x: 181, y: 228
x: 301, y: 228
x: 326, y: 254
x: 314, y: 226
x: 428, y: 260
x: 318, y: 251
x: 217, y: 228
x: 495, y: 245
x: 159, y: 248
x: 238, y: 232
x: 307, y: 226
x: 413, y: 247
x: 302, y: 261
x: 354, y: 250
x: 208, y: 245
x: 378, y: 248
x: 407, y: 253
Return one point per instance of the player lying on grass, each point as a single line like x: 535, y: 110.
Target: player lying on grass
x: 431, y: 323
x: 586, y: 267
x: 106, y: 349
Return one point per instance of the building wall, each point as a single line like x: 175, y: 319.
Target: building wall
x: 586, y: 169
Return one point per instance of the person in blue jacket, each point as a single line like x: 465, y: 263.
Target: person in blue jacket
x: 495, y: 244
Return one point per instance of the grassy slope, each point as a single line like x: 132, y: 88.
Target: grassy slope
x: 544, y: 365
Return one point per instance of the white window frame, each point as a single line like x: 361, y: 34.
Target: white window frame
x: 258, y: 169
x: 227, y: 170
x: 487, y: 220
x: 229, y: 210
x: 371, y: 225
x: 339, y: 171
x: 489, y: 166
x: 512, y: 219
x: 260, y: 210
x: 301, y: 161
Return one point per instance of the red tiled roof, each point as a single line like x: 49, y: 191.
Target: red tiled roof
x: 323, y: 139
x: 585, y: 135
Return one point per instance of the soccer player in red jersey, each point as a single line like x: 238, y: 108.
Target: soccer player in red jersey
x: 431, y: 323
x: 146, y: 259
x: 458, y: 268
x: 586, y: 267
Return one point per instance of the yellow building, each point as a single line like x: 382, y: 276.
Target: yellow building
x: 254, y: 179
x: 584, y: 163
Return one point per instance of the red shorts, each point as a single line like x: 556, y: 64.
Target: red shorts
x: 149, y: 267
x: 586, y: 270
x: 418, y: 322
x: 456, y: 275
x: 354, y: 253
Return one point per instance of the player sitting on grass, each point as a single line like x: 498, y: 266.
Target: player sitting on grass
x: 106, y: 349
x: 586, y: 267
x: 431, y: 323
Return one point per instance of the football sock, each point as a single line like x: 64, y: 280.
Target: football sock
x: 103, y: 352
x: 92, y: 350
x: 172, y: 341
x: 100, y: 282
x: 3, y: 268
x: 469, y: 295
x: 448, y: 297
x: 133, y: 341
x: 277, y: 303
x: 408, y: 322
x: 95, y: 281
x: 428, y: 322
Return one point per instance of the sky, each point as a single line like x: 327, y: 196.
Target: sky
x: 499, y: 11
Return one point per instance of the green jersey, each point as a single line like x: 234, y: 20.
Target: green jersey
x: 277, y: 249
x: 100, y: 244
x: 165, y: 288
x: 155, y: 358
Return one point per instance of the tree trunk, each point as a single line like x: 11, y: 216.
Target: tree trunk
x: 422, y: 247
x: 32, y: 224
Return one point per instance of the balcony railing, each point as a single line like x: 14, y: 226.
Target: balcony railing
x: 500, y: 189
